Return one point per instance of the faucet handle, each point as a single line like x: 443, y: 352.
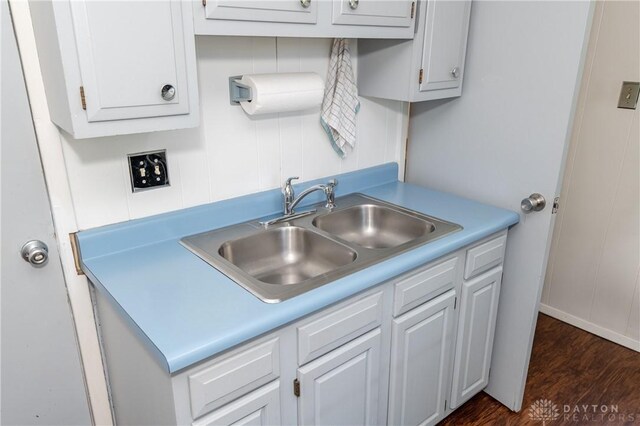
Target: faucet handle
x: 330, y: 193
x: 287, y: 183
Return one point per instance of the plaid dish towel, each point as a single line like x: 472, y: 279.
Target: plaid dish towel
x: 340, y: 104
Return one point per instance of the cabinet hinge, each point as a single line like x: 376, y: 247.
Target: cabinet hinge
x: 83, y: 100
x: 296, y: 387
x: 421, y: 75
x: 556, y: 205
x: 75, y: 250
x: 455, y: 302
x: 413, y: 9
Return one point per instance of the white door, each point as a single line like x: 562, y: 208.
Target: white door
x: 474, y: 341
x: 42, y: 381
x: 259, y: 408
x: 342, y: 387
x: 292, y: 11
x: 503, y: 140
x: 129, y: 51
x: 422, y: 351
x: 445, y: 43
x: 383, y: 13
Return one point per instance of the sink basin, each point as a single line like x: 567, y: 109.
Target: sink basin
x: 286, y: 256
x: 373, y: 226
x: 295, y: 255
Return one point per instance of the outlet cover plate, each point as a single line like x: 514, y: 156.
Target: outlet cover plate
x: 148, y: 170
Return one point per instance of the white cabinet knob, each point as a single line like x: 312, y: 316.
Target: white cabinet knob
x: 168, y: 92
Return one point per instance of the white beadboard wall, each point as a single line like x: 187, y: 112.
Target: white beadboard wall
x: 592, y: 278
x: 230, y: 153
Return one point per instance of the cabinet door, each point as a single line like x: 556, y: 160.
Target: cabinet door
x: 342, y: 387
x: 421, y: 362
x: 445, y: 43
x: 476, y: 326
x: 128, y: 51
x: 259, y: 408
x: 383, y: 13
x: 294, y: 11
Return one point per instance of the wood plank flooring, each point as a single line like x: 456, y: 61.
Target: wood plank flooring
x: 572, y: 368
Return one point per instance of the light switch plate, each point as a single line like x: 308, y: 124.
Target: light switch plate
x: 148, y: 170
x: 629, y: 95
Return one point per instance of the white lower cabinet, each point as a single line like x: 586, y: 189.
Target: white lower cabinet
x: 406, y: 352
x: 421, y: 355
x: 478, y: 310
x: 341, y: 388
x: 259, y: 408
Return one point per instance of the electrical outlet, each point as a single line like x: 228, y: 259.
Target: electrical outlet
x: 148, y: 170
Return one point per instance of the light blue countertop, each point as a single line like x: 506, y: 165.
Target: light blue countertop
x: 185, y: 310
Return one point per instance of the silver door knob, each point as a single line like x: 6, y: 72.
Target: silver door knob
x: 35, y: 252
x: 305, y: 3
x: 168, y: 92
x: 534, y: 203
x: 353, y: 4
x: 455, y: 72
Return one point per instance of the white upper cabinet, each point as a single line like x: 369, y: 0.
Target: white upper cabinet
x: 295, y: 11
x: 431, y: 66
x: 445, y: 42
x: 306, y: 18
x: 113, y: 67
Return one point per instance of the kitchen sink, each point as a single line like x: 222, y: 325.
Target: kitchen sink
x: 299, y: 253
x: 287, y: 255
x: 374, y: 226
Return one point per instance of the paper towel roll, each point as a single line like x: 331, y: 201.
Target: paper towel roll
x: 282, y: 92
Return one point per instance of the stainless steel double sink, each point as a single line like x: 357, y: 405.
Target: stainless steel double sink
x: 296, y: 255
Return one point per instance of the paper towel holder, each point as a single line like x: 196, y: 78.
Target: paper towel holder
x: 239, y: 92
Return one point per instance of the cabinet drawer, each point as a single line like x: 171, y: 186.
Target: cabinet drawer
x: 383, y: 13
x: 485, y: 256
x: 234, y: 376
x: 260, y: 407
x: 338, y: 327
x: 292, y: 11
x: 424, y: 285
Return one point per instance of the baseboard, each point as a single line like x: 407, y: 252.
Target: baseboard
x: 591, y: 328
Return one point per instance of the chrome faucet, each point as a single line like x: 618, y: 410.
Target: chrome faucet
x: 291, y: 201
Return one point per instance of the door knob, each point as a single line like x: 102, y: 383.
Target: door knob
x: 534, y: 203
x: 35, y: 252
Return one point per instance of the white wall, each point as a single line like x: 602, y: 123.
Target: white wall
x: 231, y: 153
x: 592, y: 278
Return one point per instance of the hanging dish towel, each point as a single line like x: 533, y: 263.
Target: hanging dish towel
x: 340, y: 104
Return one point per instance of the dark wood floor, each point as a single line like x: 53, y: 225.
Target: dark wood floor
x: 569, y: 367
